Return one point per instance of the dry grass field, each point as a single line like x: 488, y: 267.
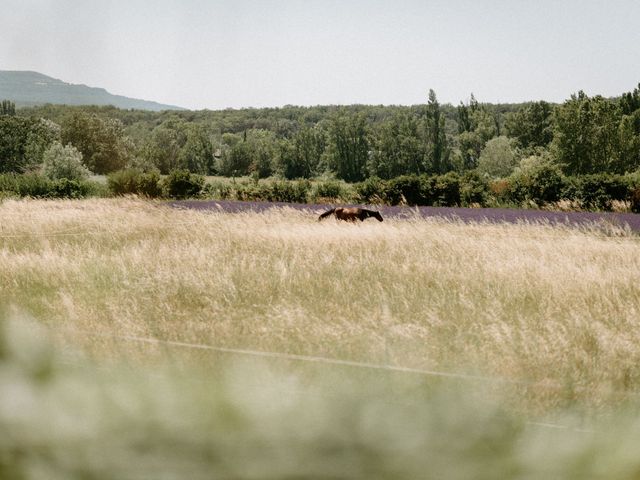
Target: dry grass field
x: 545, y: 320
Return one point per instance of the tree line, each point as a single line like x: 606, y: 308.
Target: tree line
x: 581, y: 136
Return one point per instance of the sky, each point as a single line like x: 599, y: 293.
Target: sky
x: 266, y: 53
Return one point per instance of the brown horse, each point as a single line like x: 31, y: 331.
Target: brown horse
x: 351, y: 214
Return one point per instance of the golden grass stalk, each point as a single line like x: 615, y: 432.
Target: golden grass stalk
x: 554, y: 307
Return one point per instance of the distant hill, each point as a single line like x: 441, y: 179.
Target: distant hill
x: 31, y: 88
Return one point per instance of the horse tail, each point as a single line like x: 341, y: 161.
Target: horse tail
x: 326, y: 214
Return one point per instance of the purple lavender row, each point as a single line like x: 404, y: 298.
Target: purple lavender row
x: 493, y: 215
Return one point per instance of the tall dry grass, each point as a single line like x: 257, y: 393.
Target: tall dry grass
x: 553, y: 308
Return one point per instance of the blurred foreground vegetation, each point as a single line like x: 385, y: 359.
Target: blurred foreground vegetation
x: 64, y: 416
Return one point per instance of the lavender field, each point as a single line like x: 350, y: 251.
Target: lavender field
x: 629, y: 221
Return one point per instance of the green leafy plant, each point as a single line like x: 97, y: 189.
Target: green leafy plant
x: 64, y: 161
x: 183, y: 184
x: 136, y: 182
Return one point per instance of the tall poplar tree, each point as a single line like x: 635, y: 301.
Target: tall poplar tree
x: 437, y: 151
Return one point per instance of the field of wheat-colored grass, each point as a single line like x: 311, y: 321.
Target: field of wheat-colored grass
x: 526, y: 337
x: 553, y: 309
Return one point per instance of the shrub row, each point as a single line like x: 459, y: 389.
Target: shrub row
x: 541, y: 186
x: 39, y: 186
x: 178, y: 184
x: 127, y: 182
x: 536, y: 187
x: 450, y: 189
x: 590, y: 192
x: 294, y: 191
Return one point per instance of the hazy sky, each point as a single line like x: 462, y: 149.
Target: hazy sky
x: 235, y: 53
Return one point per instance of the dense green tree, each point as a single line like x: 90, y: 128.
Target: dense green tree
x: 498, y: 158
x: 254, y: 152
x: 301, y: 156
x: 348, y: 148
x: 590, y: 137
x: 630, y: 101
x: 23, y: 142
x: 182, y: 184
x: 102, y: 142
x: 629, y: 138
x: 397, y: 148
x: 43, y: 134
x: 236, y: 157
x: 464, y: 119
x: 477, y: 125
x: 7, y: 107
x: 263, y: 148
x: 532, y: 125
x: 165, y: 145
x: 13, y: 132
x: 348, y: 141
x: 630, y: 129
x: 197, y: 153
x: 537, y: 180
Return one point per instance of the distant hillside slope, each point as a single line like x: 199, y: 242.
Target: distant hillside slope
x: 32, y: 88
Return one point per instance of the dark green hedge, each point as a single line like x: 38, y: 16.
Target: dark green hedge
x: 182, y: 184
x: 541, y: 186
x: 537, y: 187
x: 450, y: 189
x: 294, y: 191
x: 38, y: 186
x: 136, y: 182
x: 598, y: 191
